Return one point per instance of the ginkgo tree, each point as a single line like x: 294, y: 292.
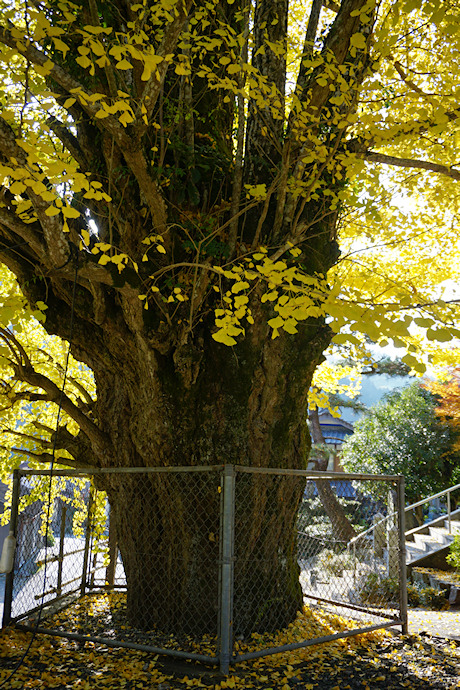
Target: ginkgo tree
x: 182, y: 176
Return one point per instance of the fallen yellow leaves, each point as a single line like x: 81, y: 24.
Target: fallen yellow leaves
x: 65, y: 665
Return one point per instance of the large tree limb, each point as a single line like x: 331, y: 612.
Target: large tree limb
x: 47, y: 458
x: 314, y: 96
x: 24, y: 371
x: 412, y: 163
x: 134, y: 158
x: 29, y: 375
x: 337, y: 43
x: 148, y: 187
x: 68, y: 83
x: 85, y: 401
x: 25, y: 231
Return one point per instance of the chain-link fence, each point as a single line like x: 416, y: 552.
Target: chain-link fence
x: 200, y: 562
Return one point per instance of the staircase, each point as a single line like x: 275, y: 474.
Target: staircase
x: 428, y: 545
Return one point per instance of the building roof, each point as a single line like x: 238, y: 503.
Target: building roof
x: 335, y: 430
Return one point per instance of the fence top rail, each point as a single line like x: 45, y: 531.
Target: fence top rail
x: 308, y: 474
x: 119, y: 470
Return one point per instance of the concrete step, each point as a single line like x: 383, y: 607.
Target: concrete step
x: 429, y: 545
x: 426, y: 542
x: 441, y: 534
x: 454, y: 524
x: 414, y: 551
x: 426, y: 547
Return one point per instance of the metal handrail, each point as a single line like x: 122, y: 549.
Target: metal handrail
x: 411, y: 507
x: 430, y: 498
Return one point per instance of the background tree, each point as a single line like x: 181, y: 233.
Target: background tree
x: 176, y: 174
x: 402, y: 435
x: 447, y: 393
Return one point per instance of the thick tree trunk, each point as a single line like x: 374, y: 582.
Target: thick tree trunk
x: 168, y: 534
x: 267, y: 590
x: 244, y: 406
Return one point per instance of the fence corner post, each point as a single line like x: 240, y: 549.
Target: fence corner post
x: 9, y: 580
x: 226, y: 568
x: 401, y: 506
x: 87, y: 543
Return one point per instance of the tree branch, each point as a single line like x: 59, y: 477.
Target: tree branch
x: 330, y: 5
x: 148, y: 187
x: 34, y: 378
x: 24, y: 230
x: 68, y: 83
x: 154, y: 85
x: 241, y: 128
x: 412, y: 163
x: 409, y: 82
x: 86, y: 397
x: 310, y: 35
x: 61, y: 439
x: 47, y: 458
x: 27, y: 396
x: 133, y: 156
x: 70, y: 142
x: 28, y: 437
x: 24, y: 371
x: 57, y: 245
x: 108, y: 69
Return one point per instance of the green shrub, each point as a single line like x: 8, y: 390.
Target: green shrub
x: 334, y: 563
x: 434, y: 598
x: 413, y: 595
x: 430, y: 597
x: 375, y: 588
x: 454, y: 556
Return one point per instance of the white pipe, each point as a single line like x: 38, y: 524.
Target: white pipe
x: 7, y: 559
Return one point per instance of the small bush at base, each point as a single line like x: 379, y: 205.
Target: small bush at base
x: 434, y: 598
x: 334, y: 563
x: 377, y: 589
x: 454, y: 556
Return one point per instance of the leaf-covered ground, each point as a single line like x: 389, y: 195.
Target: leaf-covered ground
x: 366, y: 662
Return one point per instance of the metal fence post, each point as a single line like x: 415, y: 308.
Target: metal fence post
x: 61, y: 547
x: 449, y: 512
x: 226, y: 568
x: 9, y: 580
x: 87, y: 542
x: 401, y: 508
x: 113, y: 553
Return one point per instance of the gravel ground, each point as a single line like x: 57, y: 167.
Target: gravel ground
x: 440, y: 623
